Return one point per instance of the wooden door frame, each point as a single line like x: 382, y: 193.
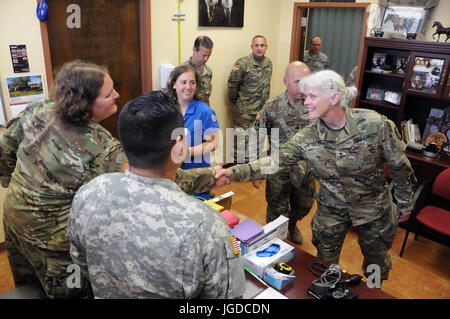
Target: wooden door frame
x: 145, y: 47
x: 297, y: 25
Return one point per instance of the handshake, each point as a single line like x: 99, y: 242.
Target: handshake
x: 223, y: 176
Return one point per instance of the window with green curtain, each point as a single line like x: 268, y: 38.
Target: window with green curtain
x: 340, y: 30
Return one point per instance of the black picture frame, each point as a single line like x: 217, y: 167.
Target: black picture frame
x: 426, y: 74
x: 401, y: 64
x: 221, y: 13
x: 445, y: 147
x: 392, y: 97
x: 378, y: 62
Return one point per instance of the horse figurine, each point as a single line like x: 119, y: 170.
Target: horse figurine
x: 440, y: 30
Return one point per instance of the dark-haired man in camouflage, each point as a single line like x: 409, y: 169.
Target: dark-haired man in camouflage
x: 43, y: 162
x: 287, y: 113
x: 249, y: 89
x: 201, y: 52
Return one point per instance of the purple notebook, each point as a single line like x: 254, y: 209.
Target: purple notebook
x: 247, y: 231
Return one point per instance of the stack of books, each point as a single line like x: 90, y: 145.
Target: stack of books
x: 232, y: 219
x: 247, y: 231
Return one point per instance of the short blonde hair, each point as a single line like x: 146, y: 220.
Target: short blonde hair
x: 330, y: 83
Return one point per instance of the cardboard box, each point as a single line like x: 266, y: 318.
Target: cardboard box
x: 224, y: 200
x: 275, y: 279
x: 277, y: 228
x: 259, y: 264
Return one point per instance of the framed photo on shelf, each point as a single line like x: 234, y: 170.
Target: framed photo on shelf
x: 392, y: 97
x: 445, y: 147
x: 375, y: 94
x: 401, y: 64
x: 378, y: 62
x: 445, y: 152
x: 437, y: 121
x: 426, y: 74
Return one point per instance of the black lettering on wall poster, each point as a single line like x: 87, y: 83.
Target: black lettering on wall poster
x: 19, y: 57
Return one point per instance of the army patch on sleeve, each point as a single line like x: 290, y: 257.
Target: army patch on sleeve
x: 236, y: 246
x: 258, y: 115
x: 236, y: 68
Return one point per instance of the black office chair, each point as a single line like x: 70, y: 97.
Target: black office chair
x: 431, y: 209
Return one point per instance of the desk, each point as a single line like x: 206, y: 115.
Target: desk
x: 297, y: 289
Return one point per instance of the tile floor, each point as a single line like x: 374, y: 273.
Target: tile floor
x: 422, y: 272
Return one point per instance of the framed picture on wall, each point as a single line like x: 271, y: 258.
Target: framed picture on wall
x: 403, y: 19
x: 221, y: 13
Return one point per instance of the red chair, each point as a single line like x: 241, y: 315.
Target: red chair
x: 431, y: 208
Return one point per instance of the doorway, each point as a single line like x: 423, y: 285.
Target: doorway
x: 330, y: 21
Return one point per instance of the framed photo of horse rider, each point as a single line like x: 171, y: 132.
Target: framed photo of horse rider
x: 428, y: 73
x: 402, y: 19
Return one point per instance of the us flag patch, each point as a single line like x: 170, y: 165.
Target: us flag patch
x: 236, y: 246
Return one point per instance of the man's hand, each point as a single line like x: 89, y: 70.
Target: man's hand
x: 222, y: 176
x: 403, y: 216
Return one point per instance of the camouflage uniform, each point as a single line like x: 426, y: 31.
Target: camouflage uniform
x: 140, y: 237
x: 316, y: 62
x: 43, y: 162
x: 289, y: 119
x: 248, y: 90
x: 353, y: 190
x: 204, y: 86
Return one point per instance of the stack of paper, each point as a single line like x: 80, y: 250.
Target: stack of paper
x: 231, y: 218
x: 247, y: 231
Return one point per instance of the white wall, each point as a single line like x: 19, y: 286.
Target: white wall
x: 260, y: 17
x: 19, y: 25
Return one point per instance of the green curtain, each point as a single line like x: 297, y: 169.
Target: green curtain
x: 340, y: 30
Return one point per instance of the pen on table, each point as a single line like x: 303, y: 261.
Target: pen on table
x: 254, y: 275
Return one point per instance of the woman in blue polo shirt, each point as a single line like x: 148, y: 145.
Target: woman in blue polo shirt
x: 199, y: 119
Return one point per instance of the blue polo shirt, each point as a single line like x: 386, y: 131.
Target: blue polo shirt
x: 200, y: 120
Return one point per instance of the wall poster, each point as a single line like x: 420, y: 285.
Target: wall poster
x: 19, y: 57
x: 23, y: 90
